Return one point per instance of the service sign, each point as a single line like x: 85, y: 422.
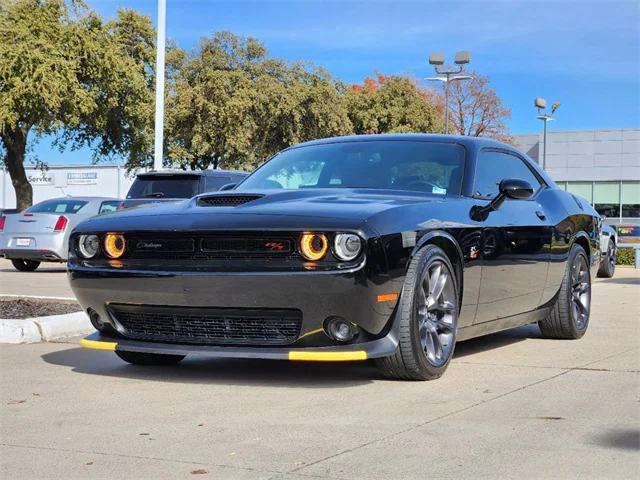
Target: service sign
x: 82, y: 178
x: 40, y: 179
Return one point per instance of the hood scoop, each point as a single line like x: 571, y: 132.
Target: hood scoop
x: 228, y: 200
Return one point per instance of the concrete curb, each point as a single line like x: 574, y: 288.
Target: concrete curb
x: 44, y: 329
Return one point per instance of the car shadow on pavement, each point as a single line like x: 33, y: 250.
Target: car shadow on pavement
x: 624, y: 439
x: 621, y: 281
x: 496, y: 340
x: 201, y: 369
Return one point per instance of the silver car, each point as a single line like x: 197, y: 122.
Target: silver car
x: 41, y: 232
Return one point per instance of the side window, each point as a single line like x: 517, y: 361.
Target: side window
x: 108, y: 206
x: 493, y: 167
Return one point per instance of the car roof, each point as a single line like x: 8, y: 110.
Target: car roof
x: 429, y: 137
x: 208, y: 172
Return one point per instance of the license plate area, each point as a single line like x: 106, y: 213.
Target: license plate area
x: 23, y: 242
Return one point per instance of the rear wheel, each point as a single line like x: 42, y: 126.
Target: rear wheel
x: 25, y: 265
x: 569, y: 317
x: 608, y: 265
x: 139, y: 358
x: 428, y: 317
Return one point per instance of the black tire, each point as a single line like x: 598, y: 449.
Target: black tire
x: 139, y: 358
x: 562, y: 321
x: 25, y: 265
x: 608, y: 264
x: 410, y: 361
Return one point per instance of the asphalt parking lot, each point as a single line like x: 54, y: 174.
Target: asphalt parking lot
x: 49, y: 280
x: 511, y: 405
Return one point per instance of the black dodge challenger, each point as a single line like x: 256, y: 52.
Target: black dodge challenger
x: 390, y: 247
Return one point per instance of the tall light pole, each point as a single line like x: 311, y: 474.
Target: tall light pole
x: 159, y: 120
x: 448, y: 74
x: 541, y: 105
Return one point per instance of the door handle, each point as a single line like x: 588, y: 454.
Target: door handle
x: 541, y: 214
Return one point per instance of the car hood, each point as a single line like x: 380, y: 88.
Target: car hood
x: 273, y: 209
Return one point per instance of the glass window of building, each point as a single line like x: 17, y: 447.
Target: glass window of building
x: 631, y: 199
x: 582, y: 189
x: 606, y: 198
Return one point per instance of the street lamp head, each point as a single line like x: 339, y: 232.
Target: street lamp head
x: 540, y: 103
x: 436, y: 59
x: 462, y: 58
x: 554, y: 106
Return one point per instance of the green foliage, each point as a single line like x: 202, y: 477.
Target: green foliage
x: 391, y: 104
x: 65, y: 72
x: 232, y: 106
x: 625, y: 256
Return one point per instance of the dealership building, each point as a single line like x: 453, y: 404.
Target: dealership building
x: 72, y: 180
x: 602, y: 166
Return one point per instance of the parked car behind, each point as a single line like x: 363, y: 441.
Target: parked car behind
x: 172, y: 185
x: 608, y: 250
x: 41, y: 232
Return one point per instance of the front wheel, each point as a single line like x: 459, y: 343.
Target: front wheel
x: 427, y: 317
x: 139, y: 358
x: 25, y: 265
x: 569, y: 317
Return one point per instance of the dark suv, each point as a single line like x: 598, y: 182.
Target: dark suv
x: 173, y: 185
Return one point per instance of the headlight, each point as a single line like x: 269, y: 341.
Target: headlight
x: 347, y: 246
x: 114, y: 245
x: 88, y: 245
x: 314, y: 246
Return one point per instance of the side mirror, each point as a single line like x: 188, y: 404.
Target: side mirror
x: 509, y: 188
x: 228, y: 186
x: 516, y: 189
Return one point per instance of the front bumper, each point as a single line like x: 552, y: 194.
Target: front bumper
x: 381, y: 347
x: 317, y: 295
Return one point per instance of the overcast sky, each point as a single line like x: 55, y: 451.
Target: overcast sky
x: 582, y: 53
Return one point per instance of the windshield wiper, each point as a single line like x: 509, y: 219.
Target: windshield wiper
x: 154, y: 195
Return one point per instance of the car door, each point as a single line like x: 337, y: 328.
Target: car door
x: 515, y: 239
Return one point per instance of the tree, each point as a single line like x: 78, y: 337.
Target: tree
x: 391, y: 104
x: 233, y: 106
x: 65, y: 72
x: 476, y: 110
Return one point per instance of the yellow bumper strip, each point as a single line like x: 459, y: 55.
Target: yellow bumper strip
x: 110, y: 346
x: 328, y: 356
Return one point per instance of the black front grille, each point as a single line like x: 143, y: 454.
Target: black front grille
x: 226, y: 200
x: 221, y: 245
x: 209, y: 326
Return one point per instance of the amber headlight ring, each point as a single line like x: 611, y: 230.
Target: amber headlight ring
x: 313, y: 246
x: 115, y: 245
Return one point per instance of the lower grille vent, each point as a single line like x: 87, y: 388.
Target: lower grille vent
x: 209, y: 326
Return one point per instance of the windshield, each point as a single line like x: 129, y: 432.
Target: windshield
x: 57, y: 206
x: 428, y: 167
x: 176, y: 186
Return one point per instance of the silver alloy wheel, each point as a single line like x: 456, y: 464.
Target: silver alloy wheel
x: 437, y: 313
x: 580, y: 292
